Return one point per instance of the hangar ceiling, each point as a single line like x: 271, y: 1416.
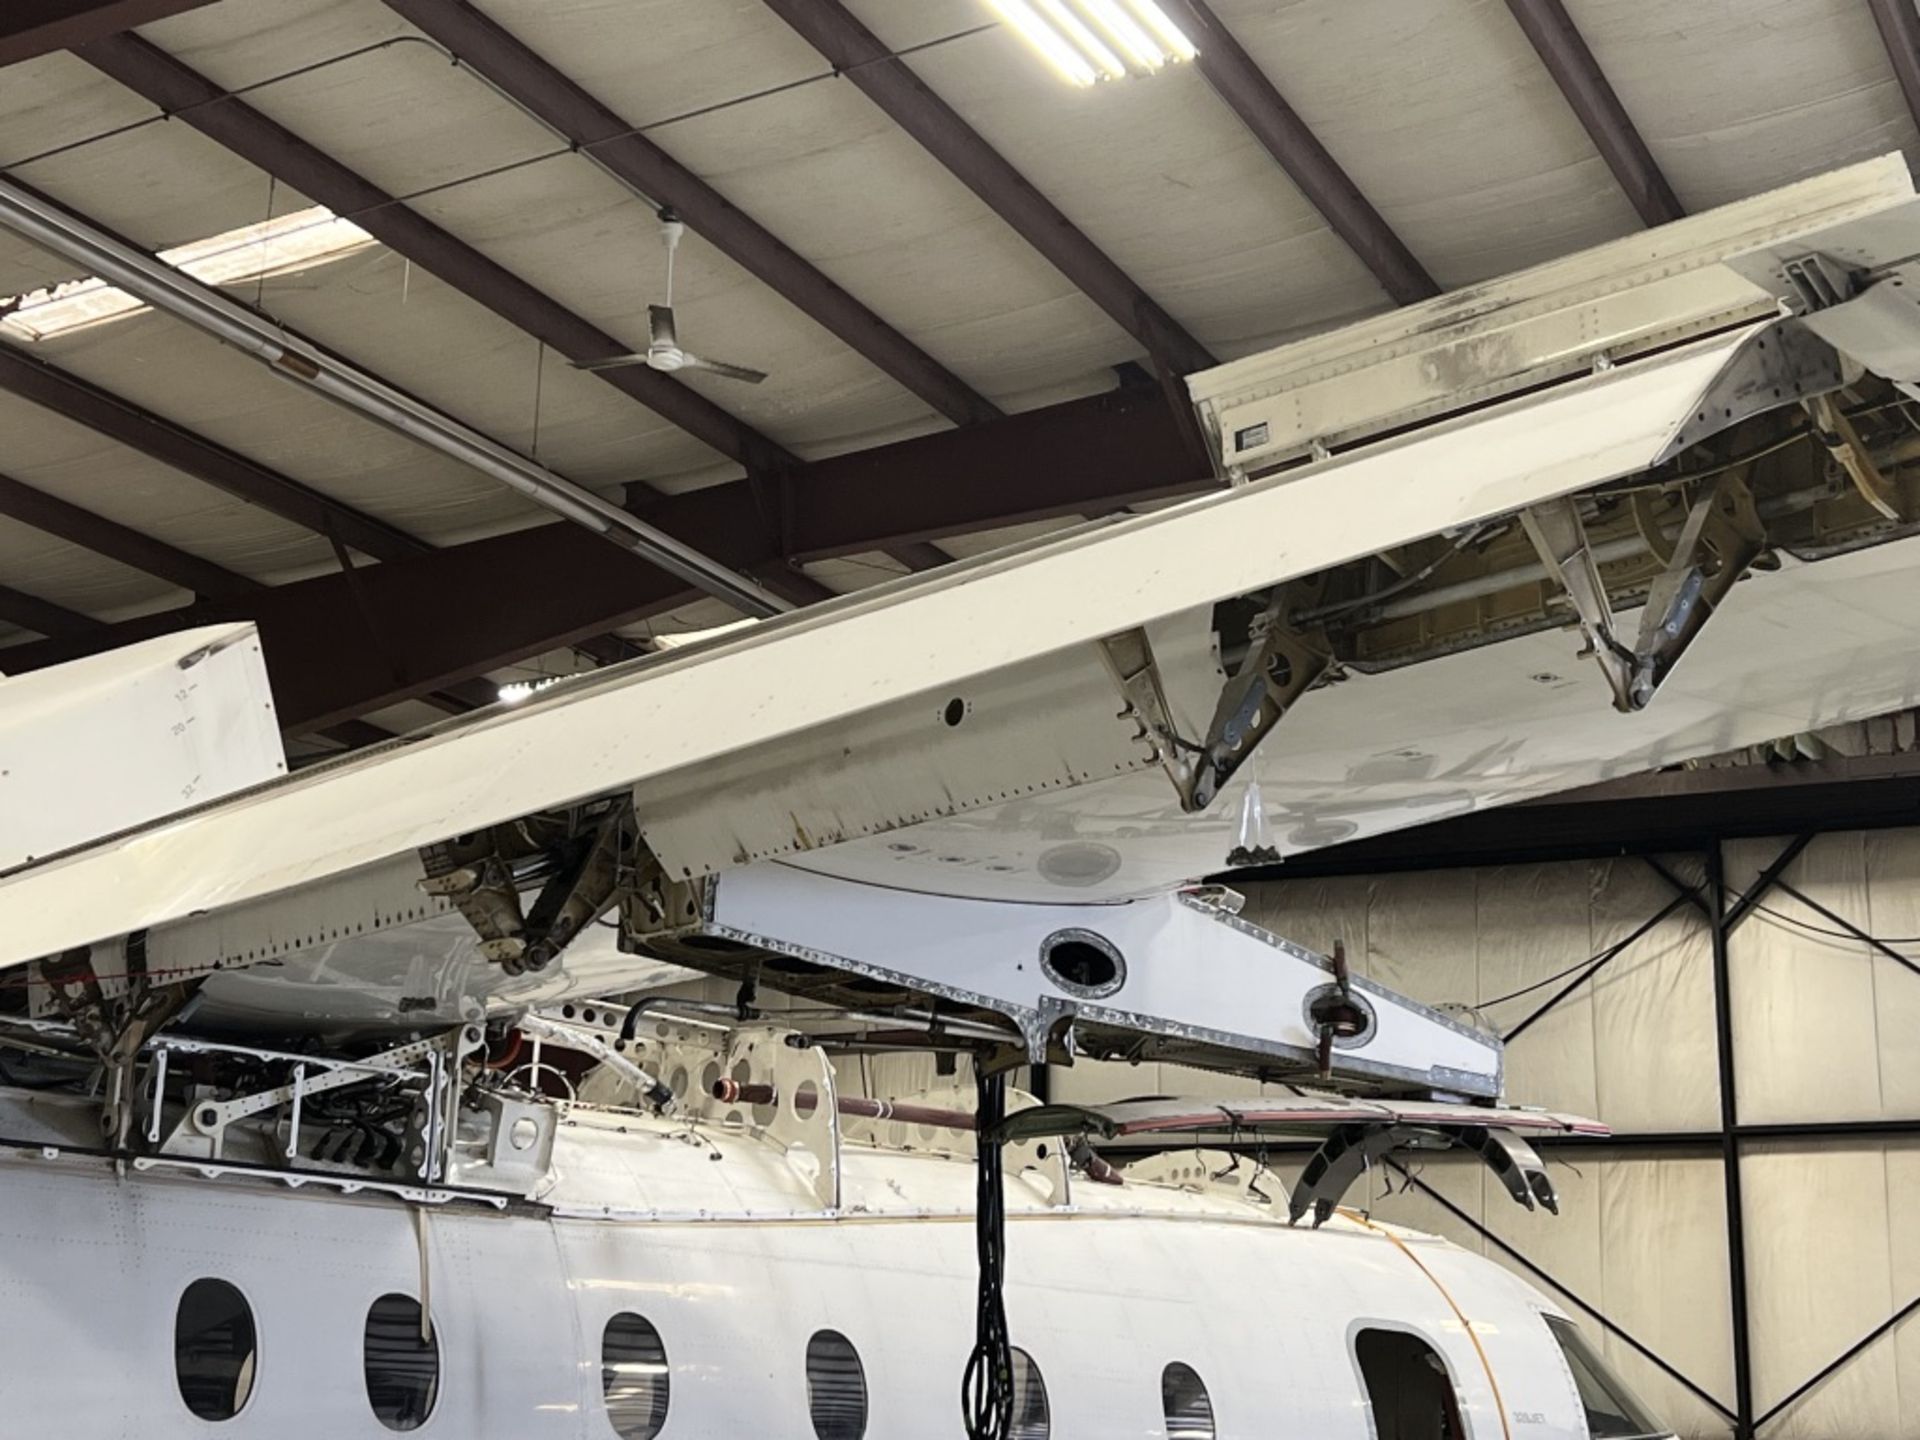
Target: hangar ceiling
x: 973, y: 286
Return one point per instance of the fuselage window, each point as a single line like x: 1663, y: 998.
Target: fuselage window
x: 836, y: 1387
x: 403, y: 1364
x: 634, y: 1377
x: 1032, y: 1420
x: 1185, y: 1403
x: 213, y: 1349
x: 1613, y: 1411
x: 1408, y: 1386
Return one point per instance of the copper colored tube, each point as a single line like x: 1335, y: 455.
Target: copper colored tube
x: 732, y: 1092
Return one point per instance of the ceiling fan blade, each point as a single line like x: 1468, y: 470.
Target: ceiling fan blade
x: 720, y: 367
x: 612, y: 362
x: 660, y: 326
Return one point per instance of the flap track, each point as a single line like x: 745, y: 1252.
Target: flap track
x: 582, y: 862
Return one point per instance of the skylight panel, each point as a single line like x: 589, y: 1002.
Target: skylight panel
x: 281, y: 246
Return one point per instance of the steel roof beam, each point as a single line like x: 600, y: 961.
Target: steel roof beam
x: 1899, y: 27
x: 94, y: 251
x: 886, y: 80
x: 43, y: 617
x: 38, y: 27
x: 1262, y: 109
x: 340, y: 646
x: 544, y: 92
x: 164, y: 81
x: 53, y: 516
x: 56, y: 517
x: 1564, y: 51
x: 180, y: 449
x: 86, y: 404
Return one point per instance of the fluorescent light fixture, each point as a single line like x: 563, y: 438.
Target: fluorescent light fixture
x: 297, y: 241
x: 1169, y: 34
x: 1055, y: 48
x: 1125, y: 32
x: 1089, y: 44
x: 1087, y: 41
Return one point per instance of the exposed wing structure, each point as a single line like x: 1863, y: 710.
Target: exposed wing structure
x: 1375, y: 622
x: 805, y: 688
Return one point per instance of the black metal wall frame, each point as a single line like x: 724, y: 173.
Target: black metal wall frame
x: 1710, y: 898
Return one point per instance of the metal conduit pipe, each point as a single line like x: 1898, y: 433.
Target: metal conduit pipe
x: 900, y: 1019
x: 671, y: 1005
x: 906, y: 1020
x: 579, y: 1038
x: 206, y: 309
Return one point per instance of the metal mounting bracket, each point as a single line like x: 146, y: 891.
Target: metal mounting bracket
x: 201, y: 1132
x: 587, y: 870
x: 1782, y: 365
x: 1281, y: 665
x: 1351, y: 1150
x: 1835, y: 431
x: 1560, y: 538
x: 1718, y: 543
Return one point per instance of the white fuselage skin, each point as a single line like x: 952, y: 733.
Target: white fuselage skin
x: 1102, y: 1294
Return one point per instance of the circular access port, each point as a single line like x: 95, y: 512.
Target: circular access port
x: 955, y: 712
x: 1083, y: 963
x: 1349, y: 1016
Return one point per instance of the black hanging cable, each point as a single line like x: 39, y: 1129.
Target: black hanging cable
x: 986, y: 1386
x: 1861, y: 937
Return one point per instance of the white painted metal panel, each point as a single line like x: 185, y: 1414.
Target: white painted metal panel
x: 1186, y: 969
x: 1596, y: 306
x: 1042, y: 727
x: 1101, y: 1296
x: 1804, y: 647
x: 100, y: 745
x: 367, y: 951
x: 824, y: 667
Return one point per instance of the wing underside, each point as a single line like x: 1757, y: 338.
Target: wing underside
x: 1509, y: 542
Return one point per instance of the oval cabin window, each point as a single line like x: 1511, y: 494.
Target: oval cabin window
x: 1185, y: 1403
x: 402, y: 1363
x: 1032, y: 1420
x: 634, y: 1377
x: 213, y: 1349
x: 836, y: 1387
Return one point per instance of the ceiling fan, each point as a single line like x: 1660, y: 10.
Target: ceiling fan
x: 663, y: 350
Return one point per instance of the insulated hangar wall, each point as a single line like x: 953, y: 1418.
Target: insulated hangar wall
x: 1614, y: 1012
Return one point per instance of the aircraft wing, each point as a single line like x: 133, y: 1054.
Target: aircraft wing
x: 829, y: 674
x: 1086, y: 716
